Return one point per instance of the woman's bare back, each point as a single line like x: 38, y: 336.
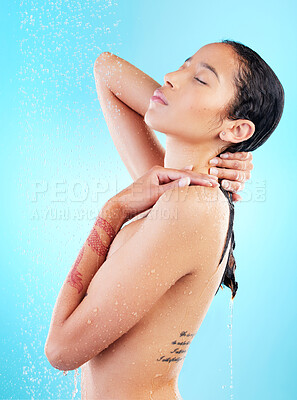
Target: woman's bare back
x: 145, y: 362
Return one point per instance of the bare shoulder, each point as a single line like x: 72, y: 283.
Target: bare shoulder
x: 189, y: 223
x: 194, y: 202
x: 196, y: 220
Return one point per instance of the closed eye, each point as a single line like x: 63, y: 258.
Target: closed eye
x: 200, y: 81
x: 204, y: 83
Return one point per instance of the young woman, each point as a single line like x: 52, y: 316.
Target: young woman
x: 135, y: 297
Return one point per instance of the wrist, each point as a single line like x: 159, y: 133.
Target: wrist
x: 113, y: 213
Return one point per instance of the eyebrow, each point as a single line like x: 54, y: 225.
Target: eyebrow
x: 205, y: 65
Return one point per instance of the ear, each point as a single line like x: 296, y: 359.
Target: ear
x: 242, y: 130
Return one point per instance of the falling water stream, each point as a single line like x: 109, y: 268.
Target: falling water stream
x: 231, y: 366
x: 76, y: 374
x: 58, y: 114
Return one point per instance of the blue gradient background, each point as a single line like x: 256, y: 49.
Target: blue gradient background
x: 54, y: 139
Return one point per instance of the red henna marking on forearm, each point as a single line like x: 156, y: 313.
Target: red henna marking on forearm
x: 74, y: 277
x: 96, y: 244
x: 105, y: 226
x: 94, y: 241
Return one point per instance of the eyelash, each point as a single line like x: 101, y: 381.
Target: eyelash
x: 196, y: 78
x: 200, y: 81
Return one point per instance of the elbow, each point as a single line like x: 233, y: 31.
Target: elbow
x: 101, y: 61
x: 60, y: 360
x: 54, y: 356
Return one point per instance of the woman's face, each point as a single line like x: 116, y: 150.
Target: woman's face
x: 194, y: 107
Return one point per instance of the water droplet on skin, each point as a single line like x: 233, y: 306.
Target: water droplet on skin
x: 89, y: 321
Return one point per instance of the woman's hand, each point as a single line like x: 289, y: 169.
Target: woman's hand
x: 235, y: 169
x: 146, y: 190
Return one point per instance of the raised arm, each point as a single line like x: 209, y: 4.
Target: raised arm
x: 124, y: 93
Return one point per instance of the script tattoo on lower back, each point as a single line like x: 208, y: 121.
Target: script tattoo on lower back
x: 181, y: 346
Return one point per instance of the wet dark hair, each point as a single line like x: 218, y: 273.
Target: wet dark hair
x: 259, y: 97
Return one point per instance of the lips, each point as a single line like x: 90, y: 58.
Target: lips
x: 160, y: 94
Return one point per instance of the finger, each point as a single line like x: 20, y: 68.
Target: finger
x: 236, y: 197
x: 187, y: 181
x: 240, y: 155
x: 207, y: 176
x: 231, y: 164
x: 246, y: 165
x: 166, y: 175
x: 178, y: 183
x: 230, y: 174
x: 251, y: 161
x: 249, y: 155
x: 232, y: 186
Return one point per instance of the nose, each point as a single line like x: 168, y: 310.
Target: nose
x: 170, y: 79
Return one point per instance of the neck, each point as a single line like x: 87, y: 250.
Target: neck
x: 179, y: 154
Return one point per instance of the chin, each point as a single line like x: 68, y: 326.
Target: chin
x: 146, y: 119
x: 154, y: 121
